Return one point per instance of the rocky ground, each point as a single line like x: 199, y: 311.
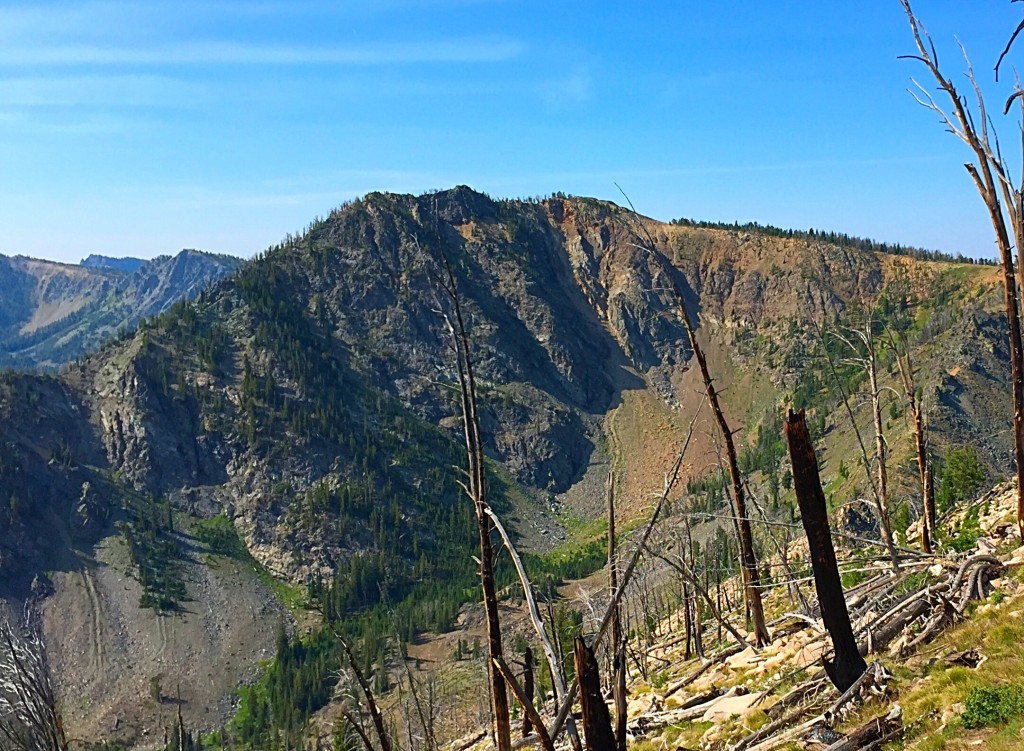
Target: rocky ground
x: 722, y: 700
x: 102, y: 644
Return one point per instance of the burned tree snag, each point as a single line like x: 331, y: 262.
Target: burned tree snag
x: 527, y: 704
x: 880, y: 445
x: 371, y: 702
x: 906, y: 368
x: 748, y: 559
x: 617, y: 647
x: 597, y: 722
x: 1003, y: 199
x: 848, y: 665
x: 929, y: 501
x: 688, y: 616
x: 528, y: 687
x: 927, y: 492
x: 879, y: 490
x: 476, y: 488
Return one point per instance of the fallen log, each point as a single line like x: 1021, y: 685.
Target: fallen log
x: 470, y: 741
x: 693, y: 701
x: 879, y: 639
x: 798, y: 693
x: 784, y: 719
x: 876, y: 731
x: 708, y: 664
x: 692, y: 712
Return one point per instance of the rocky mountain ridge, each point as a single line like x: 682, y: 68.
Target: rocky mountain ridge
x: 306, y: 400
x: 52, y: 313
x: 96, y: 261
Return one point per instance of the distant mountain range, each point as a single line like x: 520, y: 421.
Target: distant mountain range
x: 118, y: 264
x: 52, y: 313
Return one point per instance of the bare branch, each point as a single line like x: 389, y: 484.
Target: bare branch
x: 1006, y: 50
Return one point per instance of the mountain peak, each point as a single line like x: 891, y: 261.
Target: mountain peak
x: 96, y: 261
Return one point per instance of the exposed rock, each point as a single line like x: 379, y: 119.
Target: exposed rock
x: 737, y: 705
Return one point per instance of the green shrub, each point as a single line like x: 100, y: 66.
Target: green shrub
x: 852, y: 578
x: 220, y: 536
x: 962, y: 477
x: 990, y: 706
x: 967, y: 534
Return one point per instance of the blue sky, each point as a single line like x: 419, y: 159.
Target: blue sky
x: 141, y: 128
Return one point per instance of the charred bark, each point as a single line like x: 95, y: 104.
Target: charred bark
x: 597, y: 722
x: 528, y: 709
x: 476, y: 488
x: 617, y: 646
x: 371, y: 702
x: 528, y: 688
x: 848, y: 665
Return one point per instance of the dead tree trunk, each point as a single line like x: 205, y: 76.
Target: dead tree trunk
x: 880, y: 446
x: 881, y: 493
x: 689, y: 621
x: 477, y: 490
x: 528, y: 709
x: 528, y: 688
x: 921, y: 440
x: 848, y: 664
x: 683, y: 569
x: 991, y: 177
x: 670, y: 482
x: 929, y: 496
x: 748, y: 558
x: 597, y: 723
x: 553, y: 658
x: 371, y: 702
x: 617, y: 647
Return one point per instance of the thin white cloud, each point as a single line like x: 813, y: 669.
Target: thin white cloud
x: 44, y: 20
x: 116, y: 90
x: 468, y: 50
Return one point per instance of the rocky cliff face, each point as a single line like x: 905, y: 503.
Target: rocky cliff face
x: 47, y: 451
x: 309, y: 396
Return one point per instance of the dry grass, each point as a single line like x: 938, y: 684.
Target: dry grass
x: 932, y: 692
